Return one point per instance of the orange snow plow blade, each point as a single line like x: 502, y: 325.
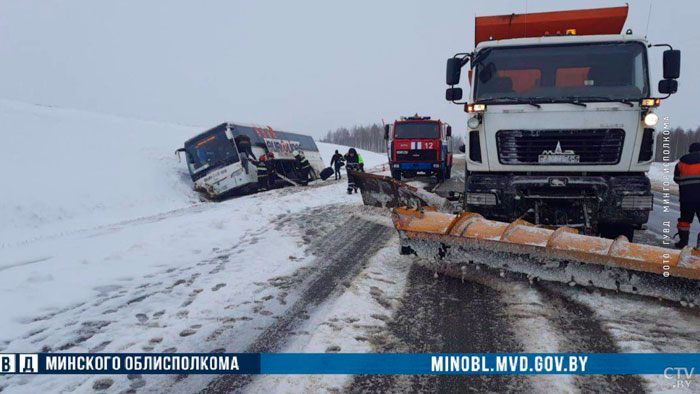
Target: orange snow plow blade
x: 387, y: 192
x: 560, y: 255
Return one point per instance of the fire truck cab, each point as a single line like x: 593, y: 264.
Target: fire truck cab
x: 419, y: 145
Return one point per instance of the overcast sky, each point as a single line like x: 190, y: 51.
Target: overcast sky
x: 300, y: 65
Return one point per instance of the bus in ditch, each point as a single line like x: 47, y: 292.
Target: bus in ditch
x: 221, y: 160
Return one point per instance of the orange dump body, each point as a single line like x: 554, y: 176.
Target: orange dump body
x: 580, y: 22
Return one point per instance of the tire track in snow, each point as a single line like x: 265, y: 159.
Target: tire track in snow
x: 582, y: 332
x: 341, y: 255
x: 545, y: 318
x: 444, y: 315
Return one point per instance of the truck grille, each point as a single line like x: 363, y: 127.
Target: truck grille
x: 416, y: 155
x: 593, y: 146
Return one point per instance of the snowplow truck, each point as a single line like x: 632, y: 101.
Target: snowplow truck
x: 561, y: 126
x: 419, y: 145
x: 221, y: 160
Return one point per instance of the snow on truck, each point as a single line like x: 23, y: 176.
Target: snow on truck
x: 418, y: 144
x: 219, y: 162
x: 561, y: 119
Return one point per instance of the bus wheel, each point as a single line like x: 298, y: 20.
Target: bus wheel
x: 448, y: 173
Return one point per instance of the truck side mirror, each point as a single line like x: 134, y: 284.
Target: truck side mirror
x: 386, y: 131
x: 454, y: 69
x: 668, y: 86
x: 672, y: 64
x: 453, y: 94
x: 449, y: 131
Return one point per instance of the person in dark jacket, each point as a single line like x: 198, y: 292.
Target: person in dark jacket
x: 353, y: 163
x: 271, y: 170
x: 687, y: 176
x: 245, y: 151
x: 303, y: 167
x: 337, y: 162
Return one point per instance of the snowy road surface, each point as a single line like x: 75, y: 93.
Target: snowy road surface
x: 333, y: 282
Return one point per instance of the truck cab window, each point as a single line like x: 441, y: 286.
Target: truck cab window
x: 614, y: 70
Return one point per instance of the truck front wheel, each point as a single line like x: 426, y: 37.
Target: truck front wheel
x: 396, y: 175
x: 448, y: 173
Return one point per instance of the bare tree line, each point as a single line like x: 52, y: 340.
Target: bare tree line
x: 370, y: 137
x: 674, y: 143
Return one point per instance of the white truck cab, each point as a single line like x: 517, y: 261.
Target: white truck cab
x: 561, y: 127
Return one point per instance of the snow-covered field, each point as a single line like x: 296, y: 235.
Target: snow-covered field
x: 72, y: 169
x: 106, y: 248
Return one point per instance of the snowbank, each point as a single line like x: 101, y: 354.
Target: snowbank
x: 71, y: 169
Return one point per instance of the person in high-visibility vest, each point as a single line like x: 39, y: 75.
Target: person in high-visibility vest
x: 687, y: 176
x: 353, y: 163
x: 303, y: 166
x: 263, y: 176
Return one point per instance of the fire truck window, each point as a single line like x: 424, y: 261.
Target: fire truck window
x: 417, y: 130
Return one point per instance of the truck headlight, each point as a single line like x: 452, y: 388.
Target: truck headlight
x: 481, y: 199
x: 397, y: 165
x: 637, y: 203
x: 473, y: 122
x: 436, y: 165
x: 651, y: 119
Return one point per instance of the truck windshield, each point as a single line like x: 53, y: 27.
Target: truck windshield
x: 417, y: 130
x: 209, y: 152
x: 563, y: 72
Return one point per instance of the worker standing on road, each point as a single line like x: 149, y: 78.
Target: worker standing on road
x: 337, y: 161
x: 687, y: 176
x: 303, y: 166
x: 353, y: 163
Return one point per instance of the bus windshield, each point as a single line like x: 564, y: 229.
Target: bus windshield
x: 417, y: 130
x: 596, y: 71
x: 209, y: 152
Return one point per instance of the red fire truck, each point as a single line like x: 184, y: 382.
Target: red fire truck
x: 418, y: 144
